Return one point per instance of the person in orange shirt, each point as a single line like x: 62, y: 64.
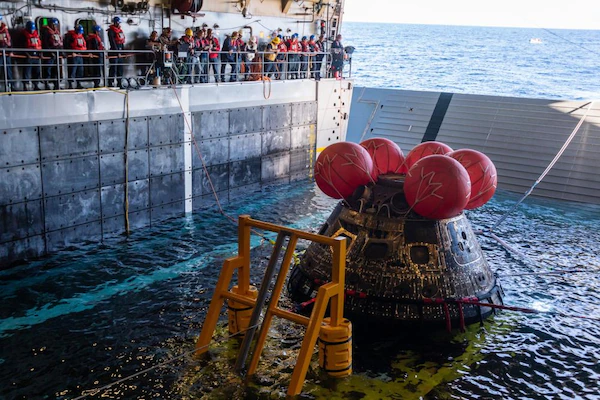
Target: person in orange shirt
x: 52, y: 40
x: 76, y: 42
x: 94, y: 42
x: 33, y: 66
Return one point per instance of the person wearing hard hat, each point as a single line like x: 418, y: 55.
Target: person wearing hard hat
x: 76, y: 42
x: 94, y: 42
x: 116, y: 38
x: 5, y: 45
x: 192, y: 62
x: 271, y: 55
x: 52, y: 40
x: 33, y: 67
x: 304, y: 48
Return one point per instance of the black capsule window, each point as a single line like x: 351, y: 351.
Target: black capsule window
x: 419, y: 254
x: 376, y: 251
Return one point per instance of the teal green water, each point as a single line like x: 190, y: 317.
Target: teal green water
x: 94, y: 314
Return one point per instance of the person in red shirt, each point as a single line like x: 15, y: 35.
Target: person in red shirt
x: 5, y: 54
x: 76, y: 42
x: 33, y: 67
x: 52, y: 40
x: 203, y: 46
x: 94, y: 42
x: 116, y: 38
x: 293, y: 56
x: 281, y: 58
x: 304, y: 48
x: 314, y: 49
x: 213, y: 54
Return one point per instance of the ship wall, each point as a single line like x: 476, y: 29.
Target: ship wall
x: 263, y: 17
x: 520, y: 135
x: 64, y: 168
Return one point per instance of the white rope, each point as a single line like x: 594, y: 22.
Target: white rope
x: 548, y: 168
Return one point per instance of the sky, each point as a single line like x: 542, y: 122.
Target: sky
x: 572, y: 14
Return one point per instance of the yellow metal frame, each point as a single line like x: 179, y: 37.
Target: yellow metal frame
x: 331, y: 292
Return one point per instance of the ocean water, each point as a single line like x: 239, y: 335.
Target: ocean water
x: 93, y: 315
x: 476, y: 60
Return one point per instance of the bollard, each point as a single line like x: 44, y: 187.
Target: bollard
x: 239, y: 314
x: 335, y: 348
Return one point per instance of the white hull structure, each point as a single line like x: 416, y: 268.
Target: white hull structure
x: 522, y: 136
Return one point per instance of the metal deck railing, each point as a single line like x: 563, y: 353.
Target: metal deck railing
x: 27, y: 70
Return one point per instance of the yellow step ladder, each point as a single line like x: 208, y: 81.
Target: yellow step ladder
x: 244, y: 294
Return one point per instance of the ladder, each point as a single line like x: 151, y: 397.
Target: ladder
x: 331, y: 293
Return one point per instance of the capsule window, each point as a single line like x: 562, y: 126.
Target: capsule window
x: 419, y: 254
x: 375, y: 251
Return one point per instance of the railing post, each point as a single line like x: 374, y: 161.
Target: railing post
x: 5, y: 70
x: 338, y: 276
x: 244, y: 253
x: 105, y: 66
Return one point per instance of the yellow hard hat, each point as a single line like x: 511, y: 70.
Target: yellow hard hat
x: 189, y: 32
x: 276, y: 40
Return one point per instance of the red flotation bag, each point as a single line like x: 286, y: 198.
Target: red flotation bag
x: 341, y: 168
x: 423, y: 150
x: 437, y: 187
x: 482, y: 173
x: 387, y: 156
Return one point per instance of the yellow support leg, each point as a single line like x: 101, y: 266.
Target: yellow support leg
x: 216, y: 304
x: 312, y: 333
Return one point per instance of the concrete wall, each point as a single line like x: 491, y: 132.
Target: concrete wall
x: 520, y: 135
x: 61, y: 183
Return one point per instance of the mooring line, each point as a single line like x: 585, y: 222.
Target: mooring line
x: 548, y: 168
x: 526, y: 310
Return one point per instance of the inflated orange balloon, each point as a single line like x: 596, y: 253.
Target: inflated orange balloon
x: 341, y: 168
x: 437, y: 187
x: 482, y: 173
x: 387, y: 156
x: 423, y: 150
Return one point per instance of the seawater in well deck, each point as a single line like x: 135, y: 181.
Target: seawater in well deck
x: 520, y: 135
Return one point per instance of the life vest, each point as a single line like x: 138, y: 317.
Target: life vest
x: 304, y: 47
x: 215, y: 47
x: 119, y: 35
x: 271, y: 48
x: 293, y: 46
x: 54, y: 39
x: 282, y: 47
x: 313, y: 46
x: 5, y: 41
x: 77, y: 41
x: 189, y: 40
x: 94, y: 42
x: 32, y: 40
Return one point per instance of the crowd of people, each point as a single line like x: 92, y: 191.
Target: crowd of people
x: 191, y: 58
x: 201, y: 52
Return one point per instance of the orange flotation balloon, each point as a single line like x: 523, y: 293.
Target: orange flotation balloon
x: 425, y: 149
x: 482, y: 173
x: 437, y: 187
x: 387, y: 156
x: 341, y: 168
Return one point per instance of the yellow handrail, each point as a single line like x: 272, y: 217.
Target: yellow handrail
x: 331, y: 292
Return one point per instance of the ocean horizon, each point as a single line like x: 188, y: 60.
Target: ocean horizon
x: 501, y: 61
